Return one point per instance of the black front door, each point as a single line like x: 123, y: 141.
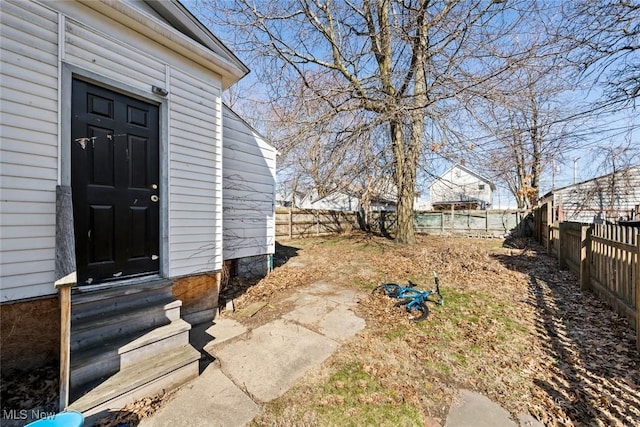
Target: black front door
x: 114, y: 179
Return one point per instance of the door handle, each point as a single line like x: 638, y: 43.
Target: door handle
x: 154, y: 198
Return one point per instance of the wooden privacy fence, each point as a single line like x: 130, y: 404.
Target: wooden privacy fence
x: 542, y: 220
x: 300, y: 223
x: 614, y: 269
x: 294, y: 223
x: 469, y: 222
x: 606, y: 259
x: 573, y: 249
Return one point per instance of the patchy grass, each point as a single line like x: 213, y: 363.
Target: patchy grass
x: 512, y: 327
x: 366, y: 400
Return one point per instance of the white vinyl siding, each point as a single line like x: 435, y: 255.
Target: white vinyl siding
x: 458, y: 185
x: 28, y: 158
x: 249, y: 190
x: 100, y: 53
x: 607, y: 197
x: 332, y: 202
x: 98, y: 47
x: 194, y: 168
x: 195, y: 175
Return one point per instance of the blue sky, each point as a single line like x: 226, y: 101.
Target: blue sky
x: 589, y: 159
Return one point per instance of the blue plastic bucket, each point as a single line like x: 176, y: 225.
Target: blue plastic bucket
x: 63, y: 419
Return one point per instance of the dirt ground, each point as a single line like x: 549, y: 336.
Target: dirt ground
x: 513, y: 327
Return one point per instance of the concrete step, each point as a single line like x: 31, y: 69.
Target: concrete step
x: 96, y: 301
x: 165, y: 371
x: 107, y: 358
x: 93, y: 330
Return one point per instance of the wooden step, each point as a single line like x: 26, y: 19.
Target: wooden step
x: 93, y: 302
x: 109, y: 357
x: 96, y: 329
x: 165, y: 371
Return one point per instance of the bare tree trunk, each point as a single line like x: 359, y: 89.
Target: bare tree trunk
x: 404, y: 173
x: 536, y: 144
x: 346, y: 71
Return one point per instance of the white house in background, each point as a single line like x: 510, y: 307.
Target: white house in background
x: 114, y: 146
x: 461, y: 188
x: 283, y: 199
x: 422, y: 205
x: 611, y: 197
x: 380, y: 195
x: 289, y: 199
x: 334, y: 201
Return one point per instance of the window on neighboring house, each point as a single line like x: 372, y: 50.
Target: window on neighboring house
x: 481, y: 187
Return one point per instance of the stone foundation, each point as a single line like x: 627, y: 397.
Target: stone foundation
x: 29, y: 334
x: 199, y: 296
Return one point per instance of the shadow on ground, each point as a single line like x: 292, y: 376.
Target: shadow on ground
x: 199, y: 338
x: 283, y: 254
x: 590, y: 350
x: 236, y: 286
x: 121, y: 418
x: 26, y: 395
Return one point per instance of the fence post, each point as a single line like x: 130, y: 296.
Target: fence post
x: 559, y: 240
x: 534, y: 217
x: 290, y: 223
x: 561, y: 257
x: 585, y: 242
x: 442, y: 222
x: 317, y: 223
x: 453, y: 219
x: 637, y: 285
x: 548, y: 230
x: 486, y: 222
x: 64, y: 291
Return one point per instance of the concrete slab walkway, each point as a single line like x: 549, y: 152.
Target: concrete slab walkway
x: 273, y: 357
x: 210, y: 400
x: 259, y: 365
x: 471, y: 409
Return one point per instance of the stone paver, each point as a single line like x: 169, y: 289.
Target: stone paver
x: 471, y: 409
x: 259, y: 365
x: 273, y: 358
x: 211, y: 400
x: 339, y: 325
x: 222, y: 330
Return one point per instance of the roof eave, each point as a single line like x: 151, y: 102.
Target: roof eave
x: 202, y: 32
x: 623, y: 170
x: 230, y: 68
x: 258, y: 134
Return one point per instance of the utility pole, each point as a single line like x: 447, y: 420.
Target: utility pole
x: 553, y: 173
